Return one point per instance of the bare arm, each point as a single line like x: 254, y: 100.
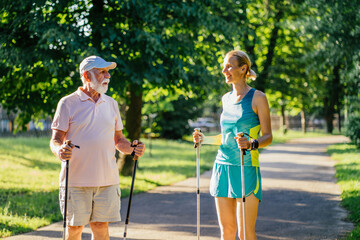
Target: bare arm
x: 58, y: 146
x: 261, y: 108
x: 211, y: 140
x: 124, y: 146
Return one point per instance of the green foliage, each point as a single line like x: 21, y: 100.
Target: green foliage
x: 161, y: 44
x: 348, y: 175
x: 306, y: 53
x: 38, y: 65
x: 174, y: 124
x: 170, y: 111
x: 353, y: 129
x: 333, y: 28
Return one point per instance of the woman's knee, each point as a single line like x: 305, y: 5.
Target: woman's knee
x: 250, y: 234
x: 228, y: 231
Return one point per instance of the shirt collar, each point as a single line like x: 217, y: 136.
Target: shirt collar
x: 84, y: 97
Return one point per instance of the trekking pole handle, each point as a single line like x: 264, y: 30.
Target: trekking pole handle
x: 133, y: 152
x: 241, y: 134
x: 68, y: 142
x: 197, y: 130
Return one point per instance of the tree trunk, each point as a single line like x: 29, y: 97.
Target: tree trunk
x: 329, y: 115
x: 11, y: 117
x: 333, y: 99
x: 11, y: 125
x: 260, y: 82
x: 303, y: 120
x: 132, y: 126
x: 339, y: 121
x: 282, y: 120
x: 337, y: 93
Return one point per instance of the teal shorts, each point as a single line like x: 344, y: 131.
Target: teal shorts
x: 226, y: 181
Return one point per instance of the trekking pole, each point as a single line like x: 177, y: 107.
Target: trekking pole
x: 131, y: 190
x: 242, y: 153
x: 68, y: 142
x: 197, y: 146
x: 66, y: 194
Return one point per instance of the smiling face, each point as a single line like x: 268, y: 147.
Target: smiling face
x: 232, y: 71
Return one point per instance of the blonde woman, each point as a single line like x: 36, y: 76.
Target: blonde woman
x: 244, y: 110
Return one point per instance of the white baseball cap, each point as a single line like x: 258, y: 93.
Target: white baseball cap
x: 95, y: 62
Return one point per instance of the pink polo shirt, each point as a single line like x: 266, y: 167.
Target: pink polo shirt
x: 91, y: 126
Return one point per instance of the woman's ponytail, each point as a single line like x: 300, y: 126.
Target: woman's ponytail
x: 251, y: 74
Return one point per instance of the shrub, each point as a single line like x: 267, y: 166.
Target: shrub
x: 353, y: 129
x: 174, y: 124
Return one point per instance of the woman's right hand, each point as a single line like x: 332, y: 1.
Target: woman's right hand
x: 198, y: 137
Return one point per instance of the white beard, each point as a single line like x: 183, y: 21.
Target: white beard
x: 99, y: 87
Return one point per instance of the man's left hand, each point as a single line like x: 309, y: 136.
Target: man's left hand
x: 139, y: 148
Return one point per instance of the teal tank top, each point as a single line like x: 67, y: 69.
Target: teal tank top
x: 235, y: 118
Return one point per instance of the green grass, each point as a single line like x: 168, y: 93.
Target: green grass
x: 29, y: 178
x: 348, y: 176
x: 28, y: 187
x: 279, y: 137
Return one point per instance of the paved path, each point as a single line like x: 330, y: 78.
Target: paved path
x: 300, y: 201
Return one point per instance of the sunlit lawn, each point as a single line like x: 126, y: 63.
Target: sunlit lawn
x: 348, y: 176
x: 279, y: 137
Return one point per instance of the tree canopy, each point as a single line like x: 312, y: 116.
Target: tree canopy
x: 305, y: 52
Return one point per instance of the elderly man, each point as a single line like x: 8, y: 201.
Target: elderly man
x: 90, y: 119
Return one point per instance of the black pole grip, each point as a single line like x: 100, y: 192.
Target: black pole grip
x: 244, y: 151
x: 133, y: 152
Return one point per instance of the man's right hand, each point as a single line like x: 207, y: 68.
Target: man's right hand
x: 65, y: 152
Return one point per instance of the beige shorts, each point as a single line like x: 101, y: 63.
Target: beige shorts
x: 91, y: 204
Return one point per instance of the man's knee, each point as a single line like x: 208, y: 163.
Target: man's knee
x: 100, y: 230
x: 75, y: 230
x: 99, y: 225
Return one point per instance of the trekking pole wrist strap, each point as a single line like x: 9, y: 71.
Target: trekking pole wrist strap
x: 254, y: 145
